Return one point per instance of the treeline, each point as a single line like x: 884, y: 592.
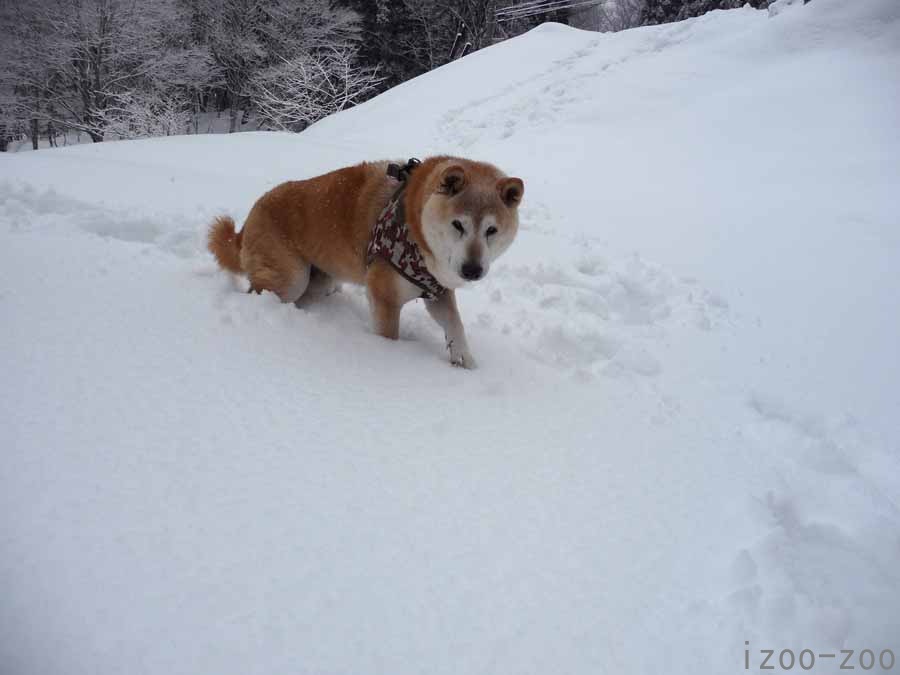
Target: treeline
x: 124, y: 69
x: 666, y: 11
x: 128, y: 69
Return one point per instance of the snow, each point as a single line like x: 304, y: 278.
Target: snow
x: 682, y: 434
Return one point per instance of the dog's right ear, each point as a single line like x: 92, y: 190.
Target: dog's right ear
x: 511, y: 191
x: 453, y: 180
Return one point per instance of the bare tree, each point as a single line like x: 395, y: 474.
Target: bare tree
x: 8, y: 121
x: 425, y: 34
x: 22, y: 79
x: 427, y: 44
x: 236, y: 47
x: 250, y: 37
x: 77, y: 61
x: 616, y: 15
x: 141, y: 113
x: 299, y: 91
x: 478, y: 19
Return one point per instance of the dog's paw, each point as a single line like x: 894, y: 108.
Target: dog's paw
x: 463, y: 360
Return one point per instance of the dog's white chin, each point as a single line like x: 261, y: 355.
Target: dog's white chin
x: 444, y: 274
x: 450, y: 280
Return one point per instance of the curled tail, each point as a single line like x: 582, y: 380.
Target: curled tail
x: 225, y: 244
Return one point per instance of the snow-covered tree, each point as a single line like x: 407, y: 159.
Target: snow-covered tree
x: 295, y: 93
x: 75, y: 62
x: 8, y: 121
x: 250, y: 39
x: 609, y: 15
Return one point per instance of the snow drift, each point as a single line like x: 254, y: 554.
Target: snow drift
x: 682, y: 436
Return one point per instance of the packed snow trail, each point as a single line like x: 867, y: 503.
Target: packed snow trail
x: 681, y: 437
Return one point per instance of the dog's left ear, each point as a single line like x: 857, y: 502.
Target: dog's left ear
x: 511, y: 190
x: 453, y: 180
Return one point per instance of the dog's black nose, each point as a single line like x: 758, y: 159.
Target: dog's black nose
x: 472, y: 271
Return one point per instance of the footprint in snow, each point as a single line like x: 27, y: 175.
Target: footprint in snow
x: 596, y: 316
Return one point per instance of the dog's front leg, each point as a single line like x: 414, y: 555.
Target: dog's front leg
x: 385, y: 318
x: 443, y: 310
x: 384, y: 303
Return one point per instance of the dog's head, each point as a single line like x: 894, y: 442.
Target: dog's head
x: 469, y: 218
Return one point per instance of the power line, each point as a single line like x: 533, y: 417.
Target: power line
x: 522, y: 6
x: 540, y: 7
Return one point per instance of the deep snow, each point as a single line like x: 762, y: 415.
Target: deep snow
x: 682, y: 435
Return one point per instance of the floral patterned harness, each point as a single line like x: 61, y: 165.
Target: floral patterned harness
x: 391, y: 240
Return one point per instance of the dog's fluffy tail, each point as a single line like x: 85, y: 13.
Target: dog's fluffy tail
x: 225, y: 244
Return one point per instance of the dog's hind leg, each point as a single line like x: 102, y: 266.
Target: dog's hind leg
x: 298, y: 286
x: 320, y: 285
x: 287, y: 279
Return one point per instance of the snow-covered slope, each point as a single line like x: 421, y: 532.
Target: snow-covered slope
x: 682, y: 437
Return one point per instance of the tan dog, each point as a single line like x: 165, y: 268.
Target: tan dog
x: 303, y: 236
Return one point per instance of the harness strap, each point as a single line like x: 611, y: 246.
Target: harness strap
x: 390, y: 238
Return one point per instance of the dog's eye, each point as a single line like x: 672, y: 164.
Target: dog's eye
x: 459, y: 227
x: 490, y: 231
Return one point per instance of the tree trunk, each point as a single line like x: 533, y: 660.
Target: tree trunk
x: 232, y: 122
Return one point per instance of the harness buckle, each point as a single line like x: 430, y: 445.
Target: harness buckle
x: 401, y: 173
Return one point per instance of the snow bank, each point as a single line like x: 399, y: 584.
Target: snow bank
x: 682, y: 436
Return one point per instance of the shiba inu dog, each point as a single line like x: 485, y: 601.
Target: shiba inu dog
x: 422, y: 229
